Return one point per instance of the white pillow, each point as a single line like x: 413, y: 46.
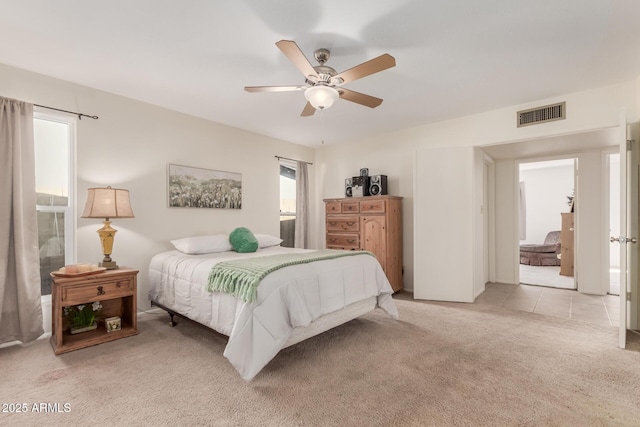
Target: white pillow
x: 203, y: 244
x: 265, y: 240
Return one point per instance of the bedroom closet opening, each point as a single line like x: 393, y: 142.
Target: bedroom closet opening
x: 546, y: 222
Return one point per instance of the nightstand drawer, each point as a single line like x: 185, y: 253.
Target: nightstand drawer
x: 343, y: 223
x: 99, y: 290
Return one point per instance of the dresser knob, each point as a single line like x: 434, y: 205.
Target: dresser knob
x: 100, y: 290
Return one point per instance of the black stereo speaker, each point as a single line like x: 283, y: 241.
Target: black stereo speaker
x: 378, y: 185
x: 360, y: 186
x: 348, y: 187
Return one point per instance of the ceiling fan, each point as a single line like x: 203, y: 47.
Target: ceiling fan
x: 323, y: 85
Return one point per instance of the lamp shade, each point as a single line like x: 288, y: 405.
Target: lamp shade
x: 107, y: 203
x: 321, y: 96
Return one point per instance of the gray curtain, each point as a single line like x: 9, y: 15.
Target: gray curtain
x: 20, y: 308
x: 302, y: 205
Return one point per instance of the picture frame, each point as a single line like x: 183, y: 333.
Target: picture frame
x: 193, y: 187
x: 112, y: 324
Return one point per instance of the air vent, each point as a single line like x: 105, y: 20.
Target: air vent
x: 548, y: 113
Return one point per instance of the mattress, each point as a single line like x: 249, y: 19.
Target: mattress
x: 288, y: 300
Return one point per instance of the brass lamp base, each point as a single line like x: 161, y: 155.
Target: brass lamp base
x: 110, y: 265
x: 107, y: 234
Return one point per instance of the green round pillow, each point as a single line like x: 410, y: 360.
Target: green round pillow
x: 243, y: 240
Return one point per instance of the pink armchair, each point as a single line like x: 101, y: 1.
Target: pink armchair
x: 544, y: 254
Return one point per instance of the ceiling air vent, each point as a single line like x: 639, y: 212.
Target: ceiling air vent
x: 548, y: 113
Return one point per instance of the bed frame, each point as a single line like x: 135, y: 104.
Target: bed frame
x: 318, y: 326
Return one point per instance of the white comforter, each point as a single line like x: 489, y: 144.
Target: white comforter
x: 288, y: 298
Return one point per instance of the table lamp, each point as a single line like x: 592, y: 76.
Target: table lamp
x: 107, y: 203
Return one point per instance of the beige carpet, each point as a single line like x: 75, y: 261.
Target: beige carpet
x: 442, y: 364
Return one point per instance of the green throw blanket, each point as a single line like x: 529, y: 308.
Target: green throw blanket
x: 241, y: 277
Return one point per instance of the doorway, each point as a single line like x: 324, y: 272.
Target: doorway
x: 546, y: 223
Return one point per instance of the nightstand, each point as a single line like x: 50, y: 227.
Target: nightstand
x: 117, y: 292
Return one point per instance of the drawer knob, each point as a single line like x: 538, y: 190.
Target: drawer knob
x: 100, y: 290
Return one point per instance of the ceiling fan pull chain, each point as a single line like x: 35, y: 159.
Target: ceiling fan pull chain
x: 322, y: 126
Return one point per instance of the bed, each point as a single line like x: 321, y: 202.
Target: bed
x: 292, y: 303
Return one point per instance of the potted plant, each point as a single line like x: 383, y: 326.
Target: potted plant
x: 82, y: 317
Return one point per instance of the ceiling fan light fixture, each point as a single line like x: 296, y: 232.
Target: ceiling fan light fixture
x: 321, y: 96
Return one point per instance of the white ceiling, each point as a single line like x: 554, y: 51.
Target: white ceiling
x: 454, y: 57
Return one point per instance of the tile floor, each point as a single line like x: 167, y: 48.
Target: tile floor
x: 550, y: 276
x: 564, y: 303
x: 545, y: 276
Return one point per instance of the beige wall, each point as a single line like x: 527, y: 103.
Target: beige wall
x: 130, y: 145
x: 392, y: 154
x: 132, y: 142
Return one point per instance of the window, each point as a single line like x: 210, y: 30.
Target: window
x: 54, y: 147
x: 287, y: 203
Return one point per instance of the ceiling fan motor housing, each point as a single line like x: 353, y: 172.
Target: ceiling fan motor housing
x: 322, y: 55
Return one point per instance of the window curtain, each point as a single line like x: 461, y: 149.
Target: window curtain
x: 523, y: 213
x: 302, y: 205
x: 20, y: 308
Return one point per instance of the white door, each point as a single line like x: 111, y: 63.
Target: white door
x: 628, y: 225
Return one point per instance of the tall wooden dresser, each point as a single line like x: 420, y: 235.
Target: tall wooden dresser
x: 566, y: 245
x: 370, y: 223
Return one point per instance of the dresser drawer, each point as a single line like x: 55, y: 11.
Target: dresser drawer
x: 350, y: 207
x: 346, y: 241
x: 333, y: 207
x: 372, y: 206
x: 98, y: 290
x: 343, y: 223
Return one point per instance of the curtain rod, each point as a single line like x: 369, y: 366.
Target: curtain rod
x: 80, y: 115
x: 286, y: 158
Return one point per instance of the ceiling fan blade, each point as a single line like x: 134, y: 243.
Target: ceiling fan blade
x: 375, y: 65
x: 359, y: 98
x: 308, y: 110
x: 273, y: 88
x: 295, y: 55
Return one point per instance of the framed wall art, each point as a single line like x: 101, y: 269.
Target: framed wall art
x: 191, y: 187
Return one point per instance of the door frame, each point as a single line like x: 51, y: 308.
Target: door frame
x: 489, y: 217
x: 633, y: 286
